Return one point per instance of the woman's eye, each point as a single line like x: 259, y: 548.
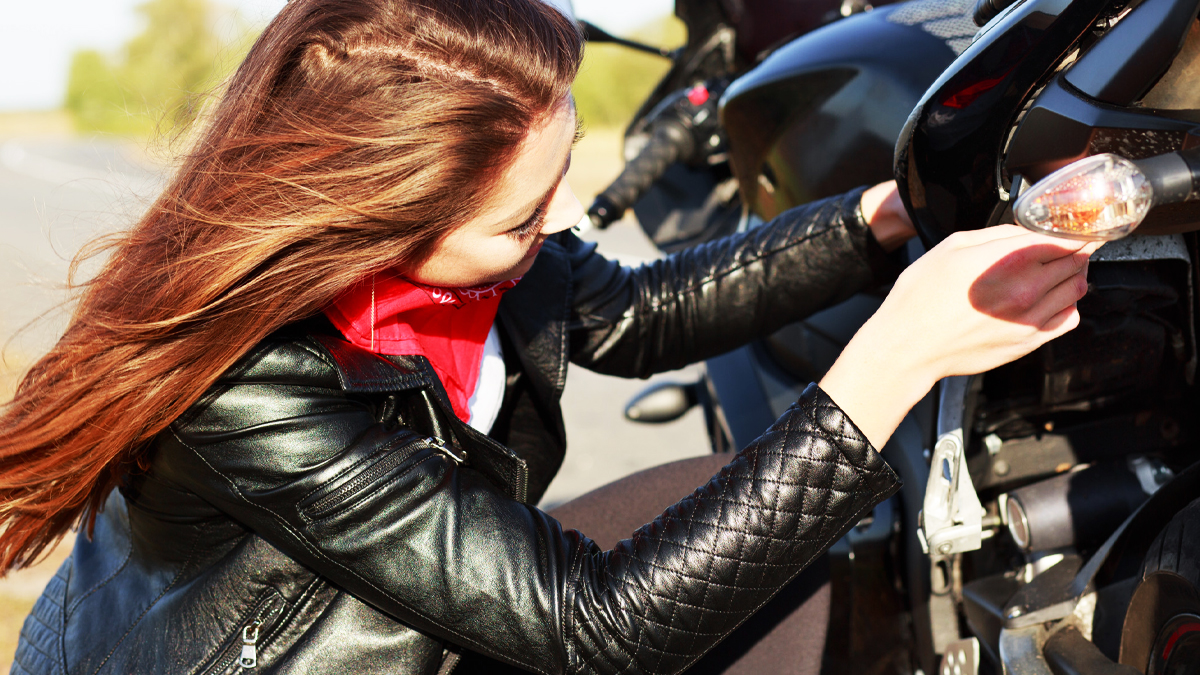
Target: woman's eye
x: 531, y: 226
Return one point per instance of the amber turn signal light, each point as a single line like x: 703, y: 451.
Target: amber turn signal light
x: 1101, y: 197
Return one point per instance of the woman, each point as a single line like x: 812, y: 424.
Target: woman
x: 284, y: 371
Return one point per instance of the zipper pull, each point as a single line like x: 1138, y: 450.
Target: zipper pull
x: 249, y: 657
x: 437, y: 443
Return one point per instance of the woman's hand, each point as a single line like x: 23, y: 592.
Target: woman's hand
x: 976, y: 301
x: 886, y: 216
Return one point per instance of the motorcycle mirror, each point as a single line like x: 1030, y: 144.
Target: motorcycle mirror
x: 1105, y: 197
x: 593, y: 33
x: 662, y: 402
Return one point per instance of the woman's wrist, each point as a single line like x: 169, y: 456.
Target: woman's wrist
x: 885, y: 215
x: 876, y: 387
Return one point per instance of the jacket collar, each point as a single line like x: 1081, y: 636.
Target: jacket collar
x: 534, y: 314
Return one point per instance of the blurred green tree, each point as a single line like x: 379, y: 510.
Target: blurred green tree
x: 613, y: 80
x: 160, y: 78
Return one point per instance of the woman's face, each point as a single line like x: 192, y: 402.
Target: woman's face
x: 533, y: 202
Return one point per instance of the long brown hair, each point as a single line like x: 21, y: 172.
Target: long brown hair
x: 353, y: 137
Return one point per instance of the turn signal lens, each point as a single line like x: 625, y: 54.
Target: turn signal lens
x: 1101, y: 197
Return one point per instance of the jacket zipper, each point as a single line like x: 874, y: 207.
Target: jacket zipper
x: 369, y: 475
x: 519, y: 484
x: 250, y: 634
x: 441, y: 445
x: 249, y: 658
x: 376, y: 471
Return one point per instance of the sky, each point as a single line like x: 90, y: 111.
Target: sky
x: 38, y: 38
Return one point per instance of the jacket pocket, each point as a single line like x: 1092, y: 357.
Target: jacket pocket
x: 328, y: 499
x: 238, y: 652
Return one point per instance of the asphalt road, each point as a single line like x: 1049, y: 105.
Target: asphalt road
x: 56, y: 194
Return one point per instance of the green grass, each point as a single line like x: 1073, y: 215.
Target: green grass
x: 158, y: 82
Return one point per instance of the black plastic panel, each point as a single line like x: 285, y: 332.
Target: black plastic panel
x: 821, y: 115
x: 1130, y: 58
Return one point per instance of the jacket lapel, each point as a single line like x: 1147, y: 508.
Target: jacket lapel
x: 535, y: 314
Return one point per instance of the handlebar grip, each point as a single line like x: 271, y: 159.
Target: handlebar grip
x: 671, y: 142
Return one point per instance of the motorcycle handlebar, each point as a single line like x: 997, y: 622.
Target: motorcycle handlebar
x: 671, y: 141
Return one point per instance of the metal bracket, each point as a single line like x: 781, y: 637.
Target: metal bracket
x: 1021, y: 651
x: 961, y: 658
x: 952, y: 518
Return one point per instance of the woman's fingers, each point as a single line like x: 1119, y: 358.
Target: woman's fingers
x: 1057, y: 269
x: 1019, y: 237
x: 1065, y: 321
x: 1058, y: 282
x: 1062, y: 296
x: 1055, y: 272
x: 965, y: 238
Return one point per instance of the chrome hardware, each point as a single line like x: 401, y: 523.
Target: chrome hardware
x: 249, y: 658
x: 951, y: 520
x: 437, y: 443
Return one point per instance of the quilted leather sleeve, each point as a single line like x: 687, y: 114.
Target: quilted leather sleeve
x: 682, y: 582
x: 707, y: 300
x: 407, y: 526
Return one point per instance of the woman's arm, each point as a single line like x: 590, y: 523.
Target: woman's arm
x: 718, y: 296
x: 401, y: 524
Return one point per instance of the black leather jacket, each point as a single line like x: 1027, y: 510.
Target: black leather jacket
x: 319, y: 510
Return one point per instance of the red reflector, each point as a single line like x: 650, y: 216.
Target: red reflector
x: 1179, y: 632
x: 697, y: 95
x: 967, y: 95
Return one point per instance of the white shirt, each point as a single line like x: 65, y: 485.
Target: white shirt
x: 484, y: 403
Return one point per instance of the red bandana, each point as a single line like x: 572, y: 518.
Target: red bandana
x: 391, y: 315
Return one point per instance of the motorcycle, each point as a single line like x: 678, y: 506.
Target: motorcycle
x: 1043, y: 523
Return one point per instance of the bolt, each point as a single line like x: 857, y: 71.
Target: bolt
x: 993, y: 443
x: 944, y: 549
x: 1162, y: 474
x: 1000, y: 467
x: 1015, y: 612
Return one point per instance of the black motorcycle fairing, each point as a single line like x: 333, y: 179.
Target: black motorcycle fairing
x: 1063, y: 125
x: 689, y: 206
x: 1068, y: 77
x: 811, y: 119
x: 947, y: 157
x: 1129, y: 59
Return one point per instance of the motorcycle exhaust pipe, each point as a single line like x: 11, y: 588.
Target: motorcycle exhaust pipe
x: 1079, y: 508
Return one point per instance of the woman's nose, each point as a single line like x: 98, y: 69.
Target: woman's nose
x: 564, y: 210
